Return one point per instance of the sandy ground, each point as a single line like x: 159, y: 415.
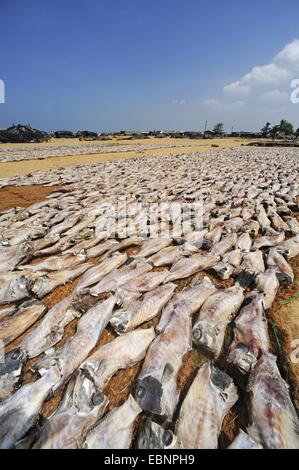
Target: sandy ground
x: 28, y: 166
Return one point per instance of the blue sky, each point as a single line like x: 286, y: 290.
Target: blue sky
x: 145, y: 64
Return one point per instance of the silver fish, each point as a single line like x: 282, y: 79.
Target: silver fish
x: 156, y: 388
x: 268, y: 284
x: 210, y: 397
x: 118, y: 277
x: 96, y: 273
x: 244, y: 242
x: 225, y: 245
x: 283, y: 270
x: 11, y: 372
x: 143, y: 310
x: 250, y: 335
x: 121, y: 353
x: 244, y: 441
x: 101, y: 248
x: 50, y: 330
x: 216, y: 313
x: 26, y: 315
x: 194, y: 296
x: 290, y: 248
x: 189, y: 266
x: 89, y: 329
x: 82, y: 406
x: 275, y: 424
x: 56, y: 263
x: 146, y: 282
x: 152, y: 246
x: 23, y: 253
x: 268, y: 241
x: 19, y: 412
x: 154, y: 436
x: 48, y: 282
x: 115, y: 430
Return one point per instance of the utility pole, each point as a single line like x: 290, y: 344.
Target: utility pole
x: 206, y: 125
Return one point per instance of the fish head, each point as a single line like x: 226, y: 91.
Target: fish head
x: 223, y: 385
x: 148, y: 394
x: 26, y: 250
x: 86, y: 396
x: 154, y: 436
x: 284, y: 279
x: 208, y: 337
x: 40, y: 285
x: 13, y: 362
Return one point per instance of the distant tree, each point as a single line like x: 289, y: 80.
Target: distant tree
x: 266, y: 129
x: 274, y: 131
x: 297, y: 133
x: 286, y: 127
x: 218, y: 128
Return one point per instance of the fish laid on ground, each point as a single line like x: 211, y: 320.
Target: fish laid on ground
x: 146, y: 282
x: 143, y: 310
x: 56, y: 263
x: 210, y: 397
x: 253, y: 262
x: 50, y: 330
x: 115, y: 430
x: 26, y: 315
x: 96, y: 273
x: 156, y: 387
x: 225, y: 245
x: 267, y: 241
x: 290, y: 248
x: 121, y: 353
x: 216, y: 313
x: 101, y: 248
x: 11, y: 372
x: 244, y: 441
x: 118, y: 277
x: 188, y: 266
x: 125, y: 244
x: 154, y: 436
x: 48, y: 282
x: 244, y: 243
x: 82, y: 406
x: 268, y: 284
x: 150, y: 247
x: 223, y: 270
x: 89, y: 329
x: 23, y: 253
x: 193, y: 296
x: 284, y: 272
x: 170, y: 255
x: 13, y: 287
x: 275, y: 423
x: 250, y: 335
x: 19, y: 412
x: 7, y: 311
x: 234, y: 257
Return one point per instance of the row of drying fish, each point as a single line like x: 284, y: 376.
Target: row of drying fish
x: 29, y: 153
x: 248, y: 232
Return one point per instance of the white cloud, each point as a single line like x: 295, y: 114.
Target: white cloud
x: 236, y: 88
x: 178, y: 101
x: 275, y: 95
x: 280, y: 70
x: 266, y: 74
x: 217, y: 105
x: 289, y: 54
